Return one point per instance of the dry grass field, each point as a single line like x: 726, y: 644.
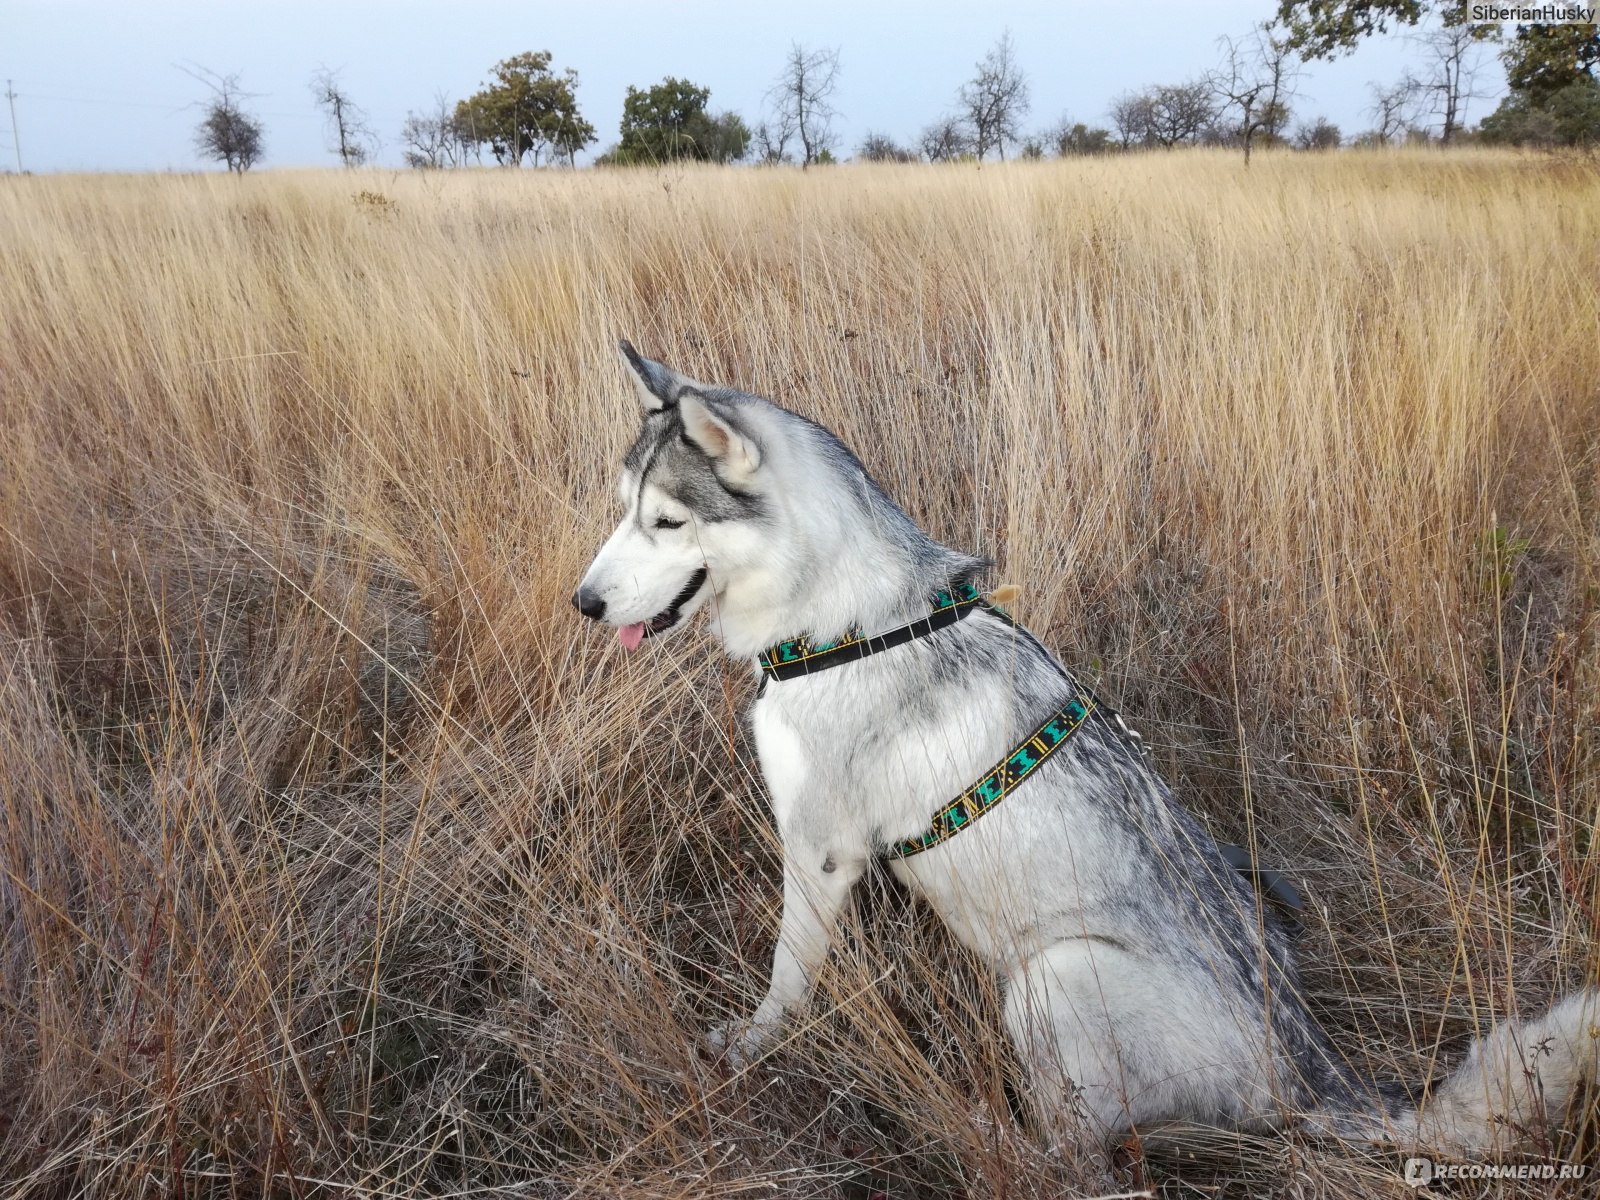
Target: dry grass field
x: 338, y: 857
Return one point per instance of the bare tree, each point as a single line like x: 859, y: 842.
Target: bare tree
x: 995, y: 100
x: 1255, y: 84
x: 1131, y: 117
x: 945, y: 140
x: 435, y: 139
x: 801, y: 103
x: 353, y: 139
x: 226, y: 132
x: 1454, y: 59
x: 772, y: 138
x: 1393, y: 109
x: 1321, y: 134
x: 1180, y: 112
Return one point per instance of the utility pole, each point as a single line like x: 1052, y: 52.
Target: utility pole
x: 16, y: 142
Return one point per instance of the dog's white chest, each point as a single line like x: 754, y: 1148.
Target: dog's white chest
x: 785, y: 762
x: 851, y: 772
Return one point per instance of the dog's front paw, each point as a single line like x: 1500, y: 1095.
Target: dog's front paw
x: 740, y: 1043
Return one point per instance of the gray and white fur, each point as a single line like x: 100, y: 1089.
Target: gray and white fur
x: 1144, y: 983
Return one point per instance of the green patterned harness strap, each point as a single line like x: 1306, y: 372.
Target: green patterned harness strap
x: 1000, y: 781
x: 801, y: 656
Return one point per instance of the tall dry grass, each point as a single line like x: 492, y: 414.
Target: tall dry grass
x: 337, y: 858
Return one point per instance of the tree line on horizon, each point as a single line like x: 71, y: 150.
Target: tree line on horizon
x: 527, y: 111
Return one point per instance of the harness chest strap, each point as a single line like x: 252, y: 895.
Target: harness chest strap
x: 1009, y: 773
x: 1001, y: 780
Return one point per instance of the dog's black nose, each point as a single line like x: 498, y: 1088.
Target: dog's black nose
x: 588, y: 604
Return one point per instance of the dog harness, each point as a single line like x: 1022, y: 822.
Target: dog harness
x: 800, y: 656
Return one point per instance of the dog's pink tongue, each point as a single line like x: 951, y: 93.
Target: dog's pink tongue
x: 631, y: 635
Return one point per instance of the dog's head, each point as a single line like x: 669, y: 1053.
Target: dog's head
x: 691, y: 486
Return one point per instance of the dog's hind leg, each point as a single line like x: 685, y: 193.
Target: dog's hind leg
x: 1111, y: 1039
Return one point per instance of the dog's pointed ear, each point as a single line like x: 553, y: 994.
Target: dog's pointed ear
x: 659, y: 386
x: 734, y: 453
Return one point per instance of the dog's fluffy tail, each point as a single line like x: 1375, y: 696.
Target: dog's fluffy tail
x: 1515, y: 1085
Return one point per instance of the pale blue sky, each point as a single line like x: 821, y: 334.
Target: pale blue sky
x: 98, y: 89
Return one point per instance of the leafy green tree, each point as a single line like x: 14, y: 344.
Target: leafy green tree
x: 664, y: 122
x: 1568, y: 117
x: 1576, y: 111
x: 730, y: 138
x: 1545, y: 59
x: 1327, y: 28
x: 1542, y: 59
x: 1067, y: 138
x: 1555, y: 96
x: 670, y: 121
x: 1074, y: 137
x: 527, y: 110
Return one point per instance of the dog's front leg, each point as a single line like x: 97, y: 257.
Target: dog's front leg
x: 816, y: 886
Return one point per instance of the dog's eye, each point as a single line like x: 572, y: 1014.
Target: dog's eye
x: 668, y: 523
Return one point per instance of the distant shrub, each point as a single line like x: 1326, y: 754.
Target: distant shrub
x: 374, y: 204
x: 1321, y: 134
x: 880, y: 147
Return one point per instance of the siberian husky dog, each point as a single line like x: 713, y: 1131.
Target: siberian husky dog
x: 1144, y: 981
